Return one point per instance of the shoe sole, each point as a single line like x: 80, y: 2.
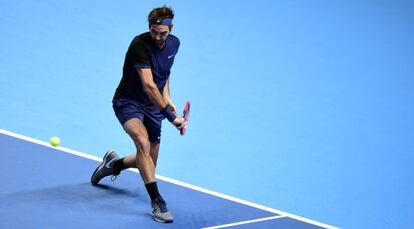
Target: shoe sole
x: 160, y: 220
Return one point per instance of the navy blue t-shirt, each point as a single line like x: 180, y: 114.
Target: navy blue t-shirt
x: 143, y: 53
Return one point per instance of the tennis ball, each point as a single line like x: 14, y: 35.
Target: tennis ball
x: 54, y: 141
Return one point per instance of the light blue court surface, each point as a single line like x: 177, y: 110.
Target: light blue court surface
x: 302, y: 106
x: 44, y: 194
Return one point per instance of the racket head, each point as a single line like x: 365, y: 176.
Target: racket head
x: 186, y: 115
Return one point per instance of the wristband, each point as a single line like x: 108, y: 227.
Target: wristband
x: 168, y: 114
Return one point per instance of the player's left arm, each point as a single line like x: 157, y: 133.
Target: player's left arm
x: 167, y: 97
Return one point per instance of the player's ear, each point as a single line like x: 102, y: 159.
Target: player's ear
x: 171, y: 26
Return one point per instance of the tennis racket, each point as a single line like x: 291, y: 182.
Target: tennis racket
x: 186, y: 115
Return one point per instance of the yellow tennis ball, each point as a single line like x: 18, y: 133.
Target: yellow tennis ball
x: 54, y: 141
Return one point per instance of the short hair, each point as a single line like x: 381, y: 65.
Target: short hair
x: 156, y: 16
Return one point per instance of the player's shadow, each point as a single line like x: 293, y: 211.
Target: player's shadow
x: 99, y: 197
x: 112, y: 189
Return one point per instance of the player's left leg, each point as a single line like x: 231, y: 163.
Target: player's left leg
x: 130, y: 160
x: 126, y: 162
x: 105, y: 168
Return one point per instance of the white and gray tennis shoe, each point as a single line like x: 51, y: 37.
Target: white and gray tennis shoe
x: 106, y: 168
x: 160, y: 211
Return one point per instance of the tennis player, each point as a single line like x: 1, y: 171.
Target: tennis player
x: 141, y: 101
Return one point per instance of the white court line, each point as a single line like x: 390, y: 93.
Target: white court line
x: 176, y: 182
x: 245, y: 222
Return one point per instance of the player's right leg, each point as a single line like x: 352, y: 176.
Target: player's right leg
x: 138, y: 133
x: 155, y: 148
x: 144, y: 159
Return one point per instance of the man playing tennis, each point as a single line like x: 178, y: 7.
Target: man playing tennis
x: 141, y: 101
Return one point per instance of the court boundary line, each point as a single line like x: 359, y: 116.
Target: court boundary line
x: 245, y: 222
x: 173, y: 181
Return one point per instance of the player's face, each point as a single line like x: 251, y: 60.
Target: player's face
x: 159, y: 33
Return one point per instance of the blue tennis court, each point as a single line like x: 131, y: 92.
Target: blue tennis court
x: 51, y: 188
x: 302, y: 108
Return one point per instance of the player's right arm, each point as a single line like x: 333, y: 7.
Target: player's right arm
x: 151, y: 89
x: 140, y: 57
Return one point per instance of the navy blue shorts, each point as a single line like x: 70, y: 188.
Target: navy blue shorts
x: 126, y: 109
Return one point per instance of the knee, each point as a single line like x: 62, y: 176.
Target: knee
x: 143, y: 145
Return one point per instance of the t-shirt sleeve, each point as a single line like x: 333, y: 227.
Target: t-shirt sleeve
x: 178, y: 44
x: 140, y: 56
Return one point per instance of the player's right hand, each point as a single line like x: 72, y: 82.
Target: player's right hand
x: 179, y: 122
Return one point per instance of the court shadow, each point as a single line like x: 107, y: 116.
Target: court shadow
x: 113, y: 190
x: 77, y: 196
